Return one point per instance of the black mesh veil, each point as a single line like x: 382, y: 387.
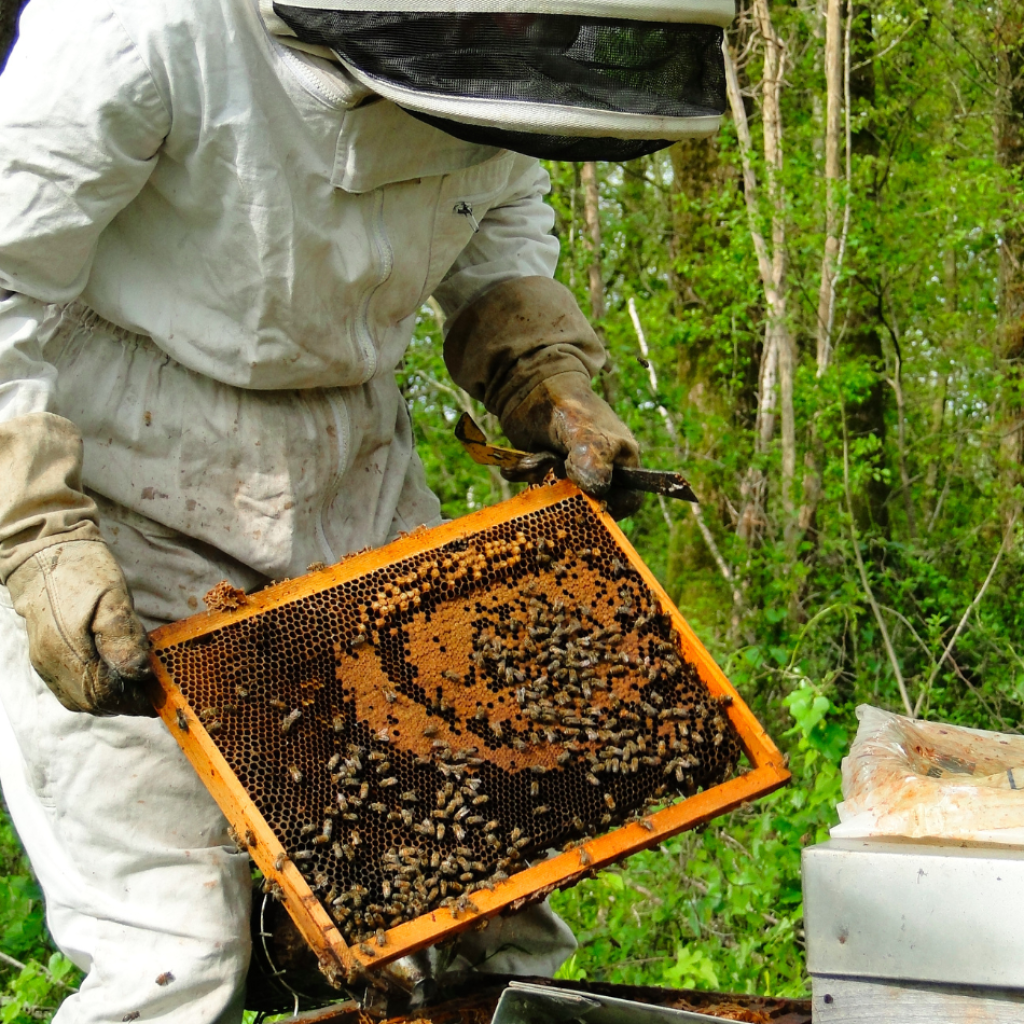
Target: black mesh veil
x: 547, y: 147
x: 551, y: 85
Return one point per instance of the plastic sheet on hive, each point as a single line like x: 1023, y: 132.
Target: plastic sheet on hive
x: 400, y: 738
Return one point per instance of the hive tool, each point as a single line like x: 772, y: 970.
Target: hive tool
x: 533, y: 467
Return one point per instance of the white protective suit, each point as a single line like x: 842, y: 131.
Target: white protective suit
x: 210, y: 261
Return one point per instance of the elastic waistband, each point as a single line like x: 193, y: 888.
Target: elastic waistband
x: 78, y: 314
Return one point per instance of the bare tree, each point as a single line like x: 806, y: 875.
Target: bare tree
x: 833, y: 174
x: 837, y: 100
x: 778, y: 356
x: 592, y: 216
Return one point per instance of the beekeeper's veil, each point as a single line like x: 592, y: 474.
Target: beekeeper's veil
x: 590, y: 80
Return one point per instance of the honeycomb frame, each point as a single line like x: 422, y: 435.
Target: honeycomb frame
x: 196, y: 733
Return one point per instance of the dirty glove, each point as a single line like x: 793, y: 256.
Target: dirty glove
x: 527, y: 352
x: 563, y: 415
x: 85, y: 639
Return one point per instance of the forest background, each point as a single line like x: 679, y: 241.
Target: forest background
x: 818, y: 316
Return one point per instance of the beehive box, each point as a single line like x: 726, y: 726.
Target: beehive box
x: 399, y: 739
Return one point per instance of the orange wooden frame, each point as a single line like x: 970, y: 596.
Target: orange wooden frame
x: 767, y: 773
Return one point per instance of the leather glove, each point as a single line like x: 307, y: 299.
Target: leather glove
x: 527, y: 352
x: 563, y: 415
x: 85, y: 639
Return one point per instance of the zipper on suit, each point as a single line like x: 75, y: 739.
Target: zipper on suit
x: 384, y: 258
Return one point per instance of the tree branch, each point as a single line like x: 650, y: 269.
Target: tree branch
x: 709, y: 538
x: 11, y: 962
x: 19, y: 966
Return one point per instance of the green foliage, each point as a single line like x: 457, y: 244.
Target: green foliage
x: 34, y: 977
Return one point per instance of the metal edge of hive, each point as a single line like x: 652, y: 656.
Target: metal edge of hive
x: 560, y: 871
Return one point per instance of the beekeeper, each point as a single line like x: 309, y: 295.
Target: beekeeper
x: 218, y: 224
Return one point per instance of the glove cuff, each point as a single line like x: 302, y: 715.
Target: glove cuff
x: 516, y: 335
x: 43, y: 502
x: 532, y: 412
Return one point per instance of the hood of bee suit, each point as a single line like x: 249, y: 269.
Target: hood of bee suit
x: 589, y: 80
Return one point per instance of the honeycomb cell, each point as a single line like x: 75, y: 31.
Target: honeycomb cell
x: 427, y: 728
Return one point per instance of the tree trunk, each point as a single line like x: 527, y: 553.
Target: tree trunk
x: 836, y: 88
x: 778, y: 358
x: 833, y: 172
x: 778, y: 326
x: 592, y: 216
x: 863, y: 336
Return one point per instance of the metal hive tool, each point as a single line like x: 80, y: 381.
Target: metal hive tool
x: 397, y: 737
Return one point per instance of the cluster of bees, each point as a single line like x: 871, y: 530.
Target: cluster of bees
x: 425, y: 730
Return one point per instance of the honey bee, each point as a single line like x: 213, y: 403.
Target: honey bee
x: 296, y: 773
x: 290, y: 719
x: 182, y: 720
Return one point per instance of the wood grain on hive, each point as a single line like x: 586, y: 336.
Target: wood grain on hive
x: 399, y: 738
